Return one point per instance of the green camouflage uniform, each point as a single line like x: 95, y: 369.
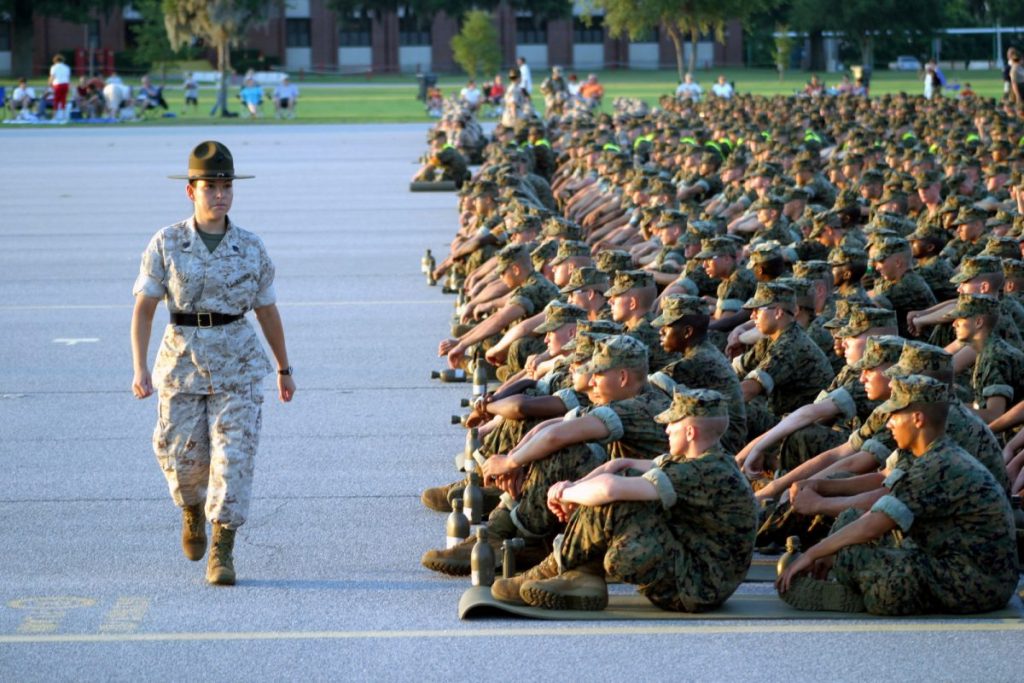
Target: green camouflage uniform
x: 642, y: 331
x: 911, y: 293
x: 954, y: 550
x: 689, y: 550
x: 936, y: 272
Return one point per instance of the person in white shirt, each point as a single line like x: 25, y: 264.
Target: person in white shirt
x: 689, y: 88
x: 525, y: 81
x: 471, y: 95
x: 60, y: 81
x: 722, y: 88
x: 286, y: 95
x: 23, y: 98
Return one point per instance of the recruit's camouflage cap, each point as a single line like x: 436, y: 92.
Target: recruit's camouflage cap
x: 794, y: 193
x: 970, y: 305
x: 556, y: 226
x: 523, y: 223
x: 618, y: 351
x: 771, y: 294
x: 602, y: 326
x: 581, y: 347
x: 969, y: 214
x: 509, y: 255
x: 484, y: 187
x: 846, y: 199
x: 892, y: 194
x: 1001, y: 247
x: 557, y: 314
x: 889, y: 246
x: 872, y: 175
x: 612, y: 260
x: 1013, y: 268
x: 880, y: 350
x: 927, y: 179
x: 717, y: 246
x: 918, y: 357
x: 864, y: 318
x: 911, y: 389
x: 676, y: 306
x: 929, y: 230
x: 694, y: 403
x: 825, y: 219
x: 543, y: 253
x: 626, y: 280
x: 570, y: 249
x: 801, y: 290
x: 842, y: 314
x: 671, y: 217
x: 1002, y: 217
x: 976, y: 266
x: 584, y: 277
x: 847, y: 254
x: 813, y: 270
x: 997, y: 169
x: 768, y: 201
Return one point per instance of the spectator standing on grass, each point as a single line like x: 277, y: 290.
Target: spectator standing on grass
x: 1016, y: 75
x: 689, y: 89
x: 252, y: 97
x: 525, y: 79
x: 60, y: 81
x: 286, y: 96
x: 191, y: 88
x: 574, y: 86
x: 722, y: 88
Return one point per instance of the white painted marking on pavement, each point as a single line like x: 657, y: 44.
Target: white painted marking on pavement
x: 1001, y: 625
x: 75, y: 341
x: 46, y: 613
x: 125, y: 616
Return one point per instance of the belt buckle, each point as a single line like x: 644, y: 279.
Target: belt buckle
x: 209, y: 319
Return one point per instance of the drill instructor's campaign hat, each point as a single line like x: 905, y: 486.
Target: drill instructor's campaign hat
x: 211, y: 160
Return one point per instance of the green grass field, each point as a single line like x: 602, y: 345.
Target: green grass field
x: 392, y: 98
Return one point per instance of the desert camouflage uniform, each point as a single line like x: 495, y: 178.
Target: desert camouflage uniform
x: 687, y: 552
x: 705, y: 367
x: 953, y: 550
x: 209, y: 378
x: 791, y: 371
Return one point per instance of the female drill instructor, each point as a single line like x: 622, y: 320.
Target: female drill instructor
x: 211, y: 364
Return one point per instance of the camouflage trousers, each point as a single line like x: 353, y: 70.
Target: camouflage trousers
x: 531, y: 514
x: 519, y: 351
x: 760, y: 418
x: 805, y: 443
x: 206, y: 446
x: 507, y: 435
x: 634, y: 542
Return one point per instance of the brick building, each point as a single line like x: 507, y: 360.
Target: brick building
x: 306, y: 35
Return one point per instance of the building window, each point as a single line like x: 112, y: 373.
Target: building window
x: 5, y: 36
x: 354, y: 32
x: 297, y: 33
x: 413, y: 30
x: 591, y: 32
x: 531, y: 31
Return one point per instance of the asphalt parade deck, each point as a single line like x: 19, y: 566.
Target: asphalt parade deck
x: 94, y: 585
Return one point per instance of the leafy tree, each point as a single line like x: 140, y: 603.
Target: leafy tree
x: 680, y: 19
x: 152, y: 44
x: 23, y: 12
x: 476, y: 47
x: 220, y: 24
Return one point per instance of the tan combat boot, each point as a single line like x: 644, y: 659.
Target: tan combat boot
x: 438, y: 498
x: 507, y: 590
x: 193, y: 532
x: 583, y: 588
x: 455, y: 561
x: 220, y: 567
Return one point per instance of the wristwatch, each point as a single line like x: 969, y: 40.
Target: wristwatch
x: 287, y: 371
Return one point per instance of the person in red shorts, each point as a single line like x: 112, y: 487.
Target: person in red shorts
x: 60, y: 81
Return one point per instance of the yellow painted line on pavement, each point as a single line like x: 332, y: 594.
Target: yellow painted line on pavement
x: 283, y: 304
x: 1003, y: 625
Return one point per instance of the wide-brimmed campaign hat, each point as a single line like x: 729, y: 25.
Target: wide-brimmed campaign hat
x: 211, y: 160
